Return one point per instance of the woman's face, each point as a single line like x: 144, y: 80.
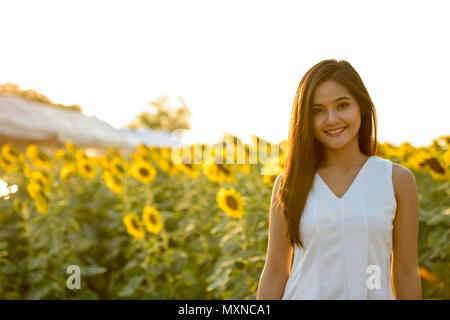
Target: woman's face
x: 335, y: 108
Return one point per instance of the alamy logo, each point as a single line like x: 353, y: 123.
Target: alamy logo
x: 373, y: 281
x: 74, y: 281
x: 229, y: 151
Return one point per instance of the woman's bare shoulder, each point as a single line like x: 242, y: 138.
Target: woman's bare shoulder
x: 402, y: 179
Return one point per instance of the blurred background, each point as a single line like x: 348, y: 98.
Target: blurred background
x: 100, y: 100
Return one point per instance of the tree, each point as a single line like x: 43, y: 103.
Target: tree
x: 12, y: 89
x: 163, y: 116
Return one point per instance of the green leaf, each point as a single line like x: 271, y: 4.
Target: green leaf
x: 220, y: 281
x: 92, y: 270
x: 39, y: 292
x: 131, y: 286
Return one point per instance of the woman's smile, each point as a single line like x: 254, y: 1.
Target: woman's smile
x: 335, y: 132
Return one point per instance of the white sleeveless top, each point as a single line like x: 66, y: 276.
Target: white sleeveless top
x: 347, y: 241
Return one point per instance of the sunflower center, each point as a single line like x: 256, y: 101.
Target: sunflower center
x: 134, y: 223
x: 188, y: 165
x: 14, y: 153
x: 231, y: 202
x: 115, y: 179
x: 223, y: 169
x: 143, y: 171
x: 41, y: 156
x: 152, y: 219
x: 87, y: 167
x: 435, y: 166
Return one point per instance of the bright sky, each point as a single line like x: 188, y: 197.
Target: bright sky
x: 237, y: 64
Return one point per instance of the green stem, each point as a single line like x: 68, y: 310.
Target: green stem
x: 149, y: 193
x: 126, y: 200
x: 147, y: 259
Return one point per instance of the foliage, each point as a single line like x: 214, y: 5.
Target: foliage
x: 12, y: 89
x: 163, y: 116
x: 142, y: 226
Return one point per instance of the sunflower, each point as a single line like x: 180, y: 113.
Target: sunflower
x: 218, y: 172
x: 435, y: 165
x: 67, y: 169
x: 163, y: 164
x: 70, y: 147
x: 137, y: 157
x: 271, y: 170
x: 244, y: 168
x: 188, y: 169
x: 153, y: 149
x: 59, y: 153
x: 41, y: 204
x: 405, y: 151
x: 152, y: 219
x: 166, y: 152
x: 65, y: 155
x: 112, y: 181
x: 27, y: 171
x: 231, y: 202
x: 113, y: 152
x: 134, y: 225
x: 6, y: 165
x: 34, y: 189
x: 118, y: 167
x: 142, y: 149
x: 10, y: 153
x: 447, y: 157
x: 37, y: 157
x: 39, y: 182
x: 105, y: 161
x: 86, y: 169
x: 41, y: 176
x: 428, y: 160
x: 81, y: 156
x: 143, y: 171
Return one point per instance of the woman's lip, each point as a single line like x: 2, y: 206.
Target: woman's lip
x: 335, y: 134
x: 335, y: 129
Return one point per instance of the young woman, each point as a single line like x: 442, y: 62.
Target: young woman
x: 338, y: 208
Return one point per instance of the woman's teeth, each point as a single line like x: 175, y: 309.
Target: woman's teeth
x: 335, y: 132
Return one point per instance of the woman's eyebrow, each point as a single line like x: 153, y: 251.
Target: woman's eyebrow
x: 341, y: 98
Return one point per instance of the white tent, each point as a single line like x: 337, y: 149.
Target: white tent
x: 26, y: 120
x: 23, y: 119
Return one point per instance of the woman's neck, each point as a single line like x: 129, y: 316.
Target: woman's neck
x: 343, y: 158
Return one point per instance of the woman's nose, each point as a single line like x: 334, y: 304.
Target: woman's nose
x: 332, y: 117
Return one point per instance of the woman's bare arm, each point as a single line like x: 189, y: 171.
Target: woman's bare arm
x: 405, y: 273
x: 279, y: 253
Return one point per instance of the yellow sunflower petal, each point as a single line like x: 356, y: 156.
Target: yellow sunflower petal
x: 152, y: 219
x: 134, y: 225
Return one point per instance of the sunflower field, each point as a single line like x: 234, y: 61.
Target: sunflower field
x: 140, y: 225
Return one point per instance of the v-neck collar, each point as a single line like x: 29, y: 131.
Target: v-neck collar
x: 351, y: 185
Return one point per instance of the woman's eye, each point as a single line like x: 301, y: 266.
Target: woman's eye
x: 317, y: 110
x: 343, y: 104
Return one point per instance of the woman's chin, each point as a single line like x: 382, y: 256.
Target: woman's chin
x: 335, y: 144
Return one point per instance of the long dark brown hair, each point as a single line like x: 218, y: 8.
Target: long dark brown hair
x: 304, y: 152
